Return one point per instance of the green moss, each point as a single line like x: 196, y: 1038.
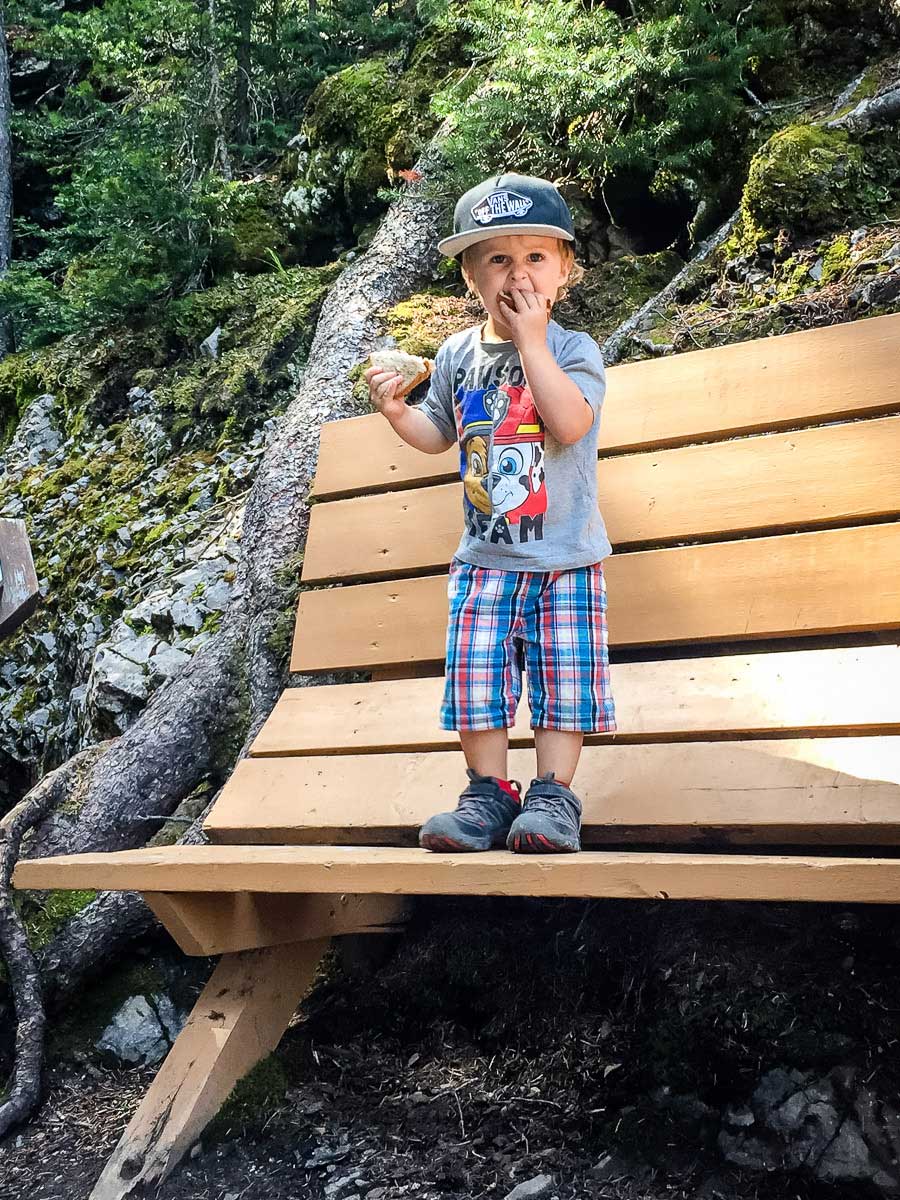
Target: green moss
x: 45, y: 913
x: 266, y: 320
x: 363, y: 125
x: 250, y: 1103
x: 804, y: 179
x: 837, y: 260
x: 611, y: 292
x: 427, y: 318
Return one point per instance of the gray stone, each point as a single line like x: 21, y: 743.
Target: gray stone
x: 185, y: 615
x: 210, y: 346
x: 113, y: 676
x: 142, y: 1030
x: 166, y: 663
x: 532, y: 1189
x: 37, y: 435
x: 340, y: 1184
x: 217, y: 596
x: 323, y: 1155
x: 847, y: 1156
x: 138, y: 649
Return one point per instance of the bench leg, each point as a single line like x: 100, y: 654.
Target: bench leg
x: 238, y: 1020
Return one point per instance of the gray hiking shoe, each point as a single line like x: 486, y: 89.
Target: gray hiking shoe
x: 481, y: 819
x: 550, y: 821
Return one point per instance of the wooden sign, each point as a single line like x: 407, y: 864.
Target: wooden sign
x: 18, y: 580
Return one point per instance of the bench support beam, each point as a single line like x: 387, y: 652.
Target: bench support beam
x: 238, y: 1020
x: 209, y: 923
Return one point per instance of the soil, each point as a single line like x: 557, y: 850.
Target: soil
x: 598, y: 1043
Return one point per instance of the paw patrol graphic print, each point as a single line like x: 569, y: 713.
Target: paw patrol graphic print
x: 501, y: 440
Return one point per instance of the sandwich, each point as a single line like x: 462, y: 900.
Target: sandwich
x: 414, y: 370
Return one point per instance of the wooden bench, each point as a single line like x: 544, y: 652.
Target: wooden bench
x: 19, y: 591
x: 752, y: 494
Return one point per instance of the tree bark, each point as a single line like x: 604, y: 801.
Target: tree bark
x: 25, y: 1084
x: 243, y: 12
x: 178, y: 740
x: 6, y: 190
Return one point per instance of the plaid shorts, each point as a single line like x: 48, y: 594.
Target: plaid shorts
x: 553, y: 623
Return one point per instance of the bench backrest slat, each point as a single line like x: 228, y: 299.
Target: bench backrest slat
x: 799, y: 378
x: 855, y: 689
x: 831, y: 581
x: 714, y: 491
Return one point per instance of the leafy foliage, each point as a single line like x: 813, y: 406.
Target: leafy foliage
x: 655, y: 100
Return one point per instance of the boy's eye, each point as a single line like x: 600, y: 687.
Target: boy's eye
x: 535, y: 255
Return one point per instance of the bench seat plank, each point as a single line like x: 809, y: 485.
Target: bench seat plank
x: 713, y: 491
x: 803, y: 791
x: 769, y: 383
x: 830, y: 581
x: 392, y: 871
x: 851, y: 690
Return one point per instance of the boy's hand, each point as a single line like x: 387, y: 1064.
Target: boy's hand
x: 383, y: 387
x: 528, y: 318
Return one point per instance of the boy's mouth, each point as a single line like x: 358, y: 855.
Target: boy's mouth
x: 507, y: 297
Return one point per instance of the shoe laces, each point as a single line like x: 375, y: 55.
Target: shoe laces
x: 484, y: 790
x: 546, y: 795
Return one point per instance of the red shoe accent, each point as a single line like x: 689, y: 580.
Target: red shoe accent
x: 512, y: 792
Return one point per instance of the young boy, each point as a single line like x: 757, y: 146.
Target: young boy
x: 522, y: 396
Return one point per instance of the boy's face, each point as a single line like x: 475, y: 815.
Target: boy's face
x: 516, y: 260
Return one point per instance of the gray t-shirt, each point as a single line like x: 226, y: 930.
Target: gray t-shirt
x: 529, y: 502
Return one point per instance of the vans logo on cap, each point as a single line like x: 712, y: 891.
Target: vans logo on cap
x: 497, y: 205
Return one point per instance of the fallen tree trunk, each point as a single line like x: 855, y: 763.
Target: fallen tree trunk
x: 177, y: 741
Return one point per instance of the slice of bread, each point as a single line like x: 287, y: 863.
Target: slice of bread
x: 414, y: 370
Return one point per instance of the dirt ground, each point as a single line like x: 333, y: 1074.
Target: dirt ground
x: 598, y: 1043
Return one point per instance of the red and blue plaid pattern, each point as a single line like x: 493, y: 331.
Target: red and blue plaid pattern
x: 553, y: 623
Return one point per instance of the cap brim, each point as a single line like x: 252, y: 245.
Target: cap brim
x: 452, y: 246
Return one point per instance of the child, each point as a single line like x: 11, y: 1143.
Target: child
x: 522, y: 397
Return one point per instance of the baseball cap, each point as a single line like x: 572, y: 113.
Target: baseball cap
x: 508, y: 204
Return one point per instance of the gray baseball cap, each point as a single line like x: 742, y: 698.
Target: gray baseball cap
x: 508, y: 204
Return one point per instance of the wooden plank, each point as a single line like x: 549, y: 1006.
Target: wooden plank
x: 209, y: 923
x: 796, y: 379
x: 238, y: 1020
x: 19, y: 593
x: 831, y: 581
x: 412, y: 872
x: 843, y: 791
x: 851, y: 690
x: 713, y: 491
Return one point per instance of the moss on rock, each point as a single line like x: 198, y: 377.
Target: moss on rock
x: 45, y: 913
x: 612, y: 291
x: 806, y: 179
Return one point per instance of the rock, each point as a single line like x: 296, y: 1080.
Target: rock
x: 532, y: 1189
x: 344, y: 1181
x: 796, y: 1121
x: 114, y: 675
x: 185, y: 615
x: 327, y: 1154
x: 166, y: 663
x: 210, y: 346
x: 884, y: 289
x: 36, y: 438
x: 142, y: 1030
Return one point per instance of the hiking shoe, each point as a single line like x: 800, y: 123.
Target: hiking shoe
x: 550, y: 819
x: 481, y: 820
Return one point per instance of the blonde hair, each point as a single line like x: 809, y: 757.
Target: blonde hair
x: 566, y: 253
